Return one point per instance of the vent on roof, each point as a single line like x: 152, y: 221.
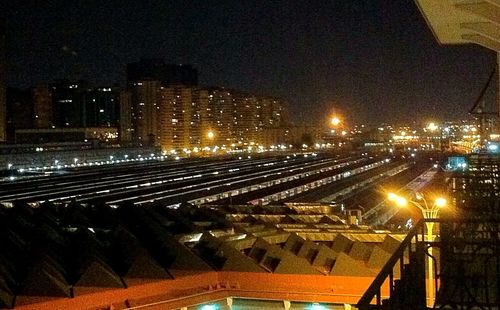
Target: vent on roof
x: 311, y: 255
x: 271, y: 263
x: 296, y: 247
x: 257, y: 254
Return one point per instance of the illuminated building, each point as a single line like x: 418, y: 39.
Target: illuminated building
x: 241, y: 118
x: 77, y: 104
x: 221, y: 114
x: 272, y: 121
x: 182, y: 121
x: 102, y: 107
x: 181, y: 117
x: 141, y: 121
x: 145, y: 112
x: 69, y: 103
x: 245, y: 118
x: 166, y: 109
x: 208, y: 117
x: 54, y: 135
x: 126, y: 111
x: 273, y: 112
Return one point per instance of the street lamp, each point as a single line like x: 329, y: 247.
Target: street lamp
x: 428, y: 212
x: 335, y: 121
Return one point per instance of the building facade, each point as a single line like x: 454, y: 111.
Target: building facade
x: 102, y: 107
x: 126, y: 129
x: 68, y: 99
x: 183, y: 118
x: 145, y: 112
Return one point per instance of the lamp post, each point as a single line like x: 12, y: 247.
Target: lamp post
x: 428, y: 212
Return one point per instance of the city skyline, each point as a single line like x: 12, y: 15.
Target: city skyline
x: 373, y: 61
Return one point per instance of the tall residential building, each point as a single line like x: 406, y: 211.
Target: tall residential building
x: 245, y: 118
x: 203, y: 130
x: 75, y: 104
x: 167, y: 74
x: 126, y: 130
x: 175, y: 117
x: 272, y: 112
x: 102, y: 107
x: 69, y: 103
x: 183, y: 119
x: 3, y: 88
x: 145, y: 112
x: 42, y: 106
x: 221, y: 114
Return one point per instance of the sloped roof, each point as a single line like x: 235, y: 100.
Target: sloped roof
x: 41, y: 282
x: 99, y: 274
x: 145, y: 267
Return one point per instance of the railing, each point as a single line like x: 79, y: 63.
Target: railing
x: 394, y: 272
x: 462, y: 273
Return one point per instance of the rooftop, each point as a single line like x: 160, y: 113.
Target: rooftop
x: 80, y: 256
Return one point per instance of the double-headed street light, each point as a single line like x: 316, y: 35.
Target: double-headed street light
x: 428, y: 212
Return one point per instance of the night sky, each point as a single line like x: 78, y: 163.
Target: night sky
x: 374, y: 60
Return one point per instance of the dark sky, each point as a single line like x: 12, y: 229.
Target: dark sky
x: 375, y: 60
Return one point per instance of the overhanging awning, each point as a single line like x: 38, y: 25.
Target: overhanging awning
x: 463, y: 21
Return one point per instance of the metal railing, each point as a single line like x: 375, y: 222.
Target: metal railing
x: 466, y: 260
x: 393, y: 272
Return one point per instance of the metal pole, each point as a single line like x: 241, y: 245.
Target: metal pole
x: 430, y: 269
